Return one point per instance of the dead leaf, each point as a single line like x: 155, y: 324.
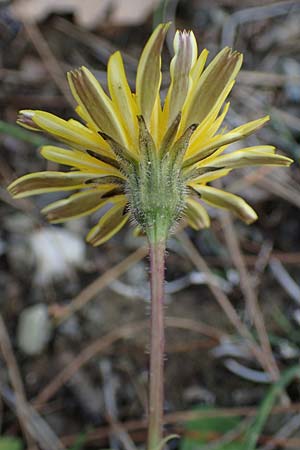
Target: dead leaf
x: 87, y: 13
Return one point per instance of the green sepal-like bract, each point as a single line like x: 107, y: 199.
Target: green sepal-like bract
x: 157, y: 190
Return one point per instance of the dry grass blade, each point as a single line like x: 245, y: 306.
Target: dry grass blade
x: 49, y: 60
x: 89, y: 292
x: 290, y: 427
x: 35, y: 424
x: 285, y: 280
x: 256, y: 78
x: 249, y: 293
x: 181, y: 417
x: 196, y: 326
x: 105, y: 342
x: 16, y: 380
x: 248, y: 179
x: 100, y: 345
x: 253, y: 14
x: 34, y: 428
x: 289, y: 119
x: 223, y: 300
x: 119, y: 433
x: 265, y: 178
x: 282, y: 190
x: 290, y: 258
x: 100, y: 46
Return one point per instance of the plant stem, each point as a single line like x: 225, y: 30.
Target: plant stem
x: 157, y: 343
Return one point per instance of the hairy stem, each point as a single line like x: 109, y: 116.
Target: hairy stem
x: 157, y: 342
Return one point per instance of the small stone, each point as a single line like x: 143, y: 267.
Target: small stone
x: 34, y: 329
x: 57, y: 252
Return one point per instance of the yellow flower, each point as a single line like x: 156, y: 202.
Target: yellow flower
x: 138, y: 157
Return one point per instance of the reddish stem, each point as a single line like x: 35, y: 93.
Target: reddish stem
x: 157, y: 344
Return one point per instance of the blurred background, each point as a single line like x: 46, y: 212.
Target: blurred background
x: 73, y: 323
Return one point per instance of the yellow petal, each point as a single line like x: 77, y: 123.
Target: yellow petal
x: 80, y: 160
x: 198, y: 67
x: 157, y: 123
x: 209, y: 176
x: 89, y: 94
x: 222, y: 199
x: 251, y: 156
x: 122, y: 98
x: 148, y: 76
x: 196, y: 214
x: 42, y: 182
x: 221, y: 140
x: 212, y: 130
x: 82, y: 113
x: 185, y: 48
x: 77, y: 205
x: 214, y: 80
x: 67, y: 131
x: 109, y: 224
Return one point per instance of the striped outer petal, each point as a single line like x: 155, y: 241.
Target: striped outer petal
x: 203, y: 131
x: 110, y: 223
x: 185, y: 48
x: 95, y: 104
x: 122, y: 98
x: 202, y: 152
x: 251, y: 156
x: 25, y: 120
x: 196, y: 214
x: 215, y: 79
x: 80, y: 160
x: 71, y: 132
x: 77, y: 205
x: 43, y: 182
x: 148, y: 77
x: 225, y: 200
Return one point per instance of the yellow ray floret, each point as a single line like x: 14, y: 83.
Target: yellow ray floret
x: 77, y: 205
x: 110, y: 223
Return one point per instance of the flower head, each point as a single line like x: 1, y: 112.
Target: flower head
x: 138, y: 157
